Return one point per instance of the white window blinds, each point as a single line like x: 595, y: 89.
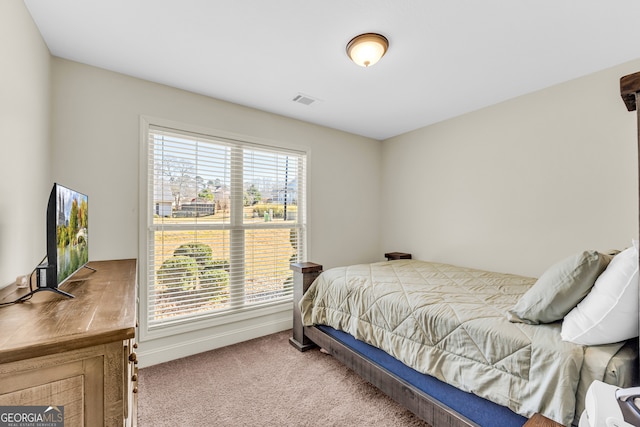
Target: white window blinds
x: 225, y: 220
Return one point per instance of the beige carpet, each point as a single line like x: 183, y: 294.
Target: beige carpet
x: 262, y: 382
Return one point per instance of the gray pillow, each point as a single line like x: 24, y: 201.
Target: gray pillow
x: 559, y: 289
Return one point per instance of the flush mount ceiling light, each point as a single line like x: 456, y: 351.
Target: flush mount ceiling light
x: 367, y: 49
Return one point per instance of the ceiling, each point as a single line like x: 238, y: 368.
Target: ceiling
x: 445, y: 58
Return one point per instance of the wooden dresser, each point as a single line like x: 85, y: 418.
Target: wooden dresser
x: 74, y: 352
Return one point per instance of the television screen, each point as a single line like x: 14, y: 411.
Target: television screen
x: 67, y: 233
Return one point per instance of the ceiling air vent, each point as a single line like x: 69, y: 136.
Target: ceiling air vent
x: 304, y: 99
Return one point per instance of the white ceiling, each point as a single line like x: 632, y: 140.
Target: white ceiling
x: 446, y: 57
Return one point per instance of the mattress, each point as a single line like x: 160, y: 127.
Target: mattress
x: 450, y: 322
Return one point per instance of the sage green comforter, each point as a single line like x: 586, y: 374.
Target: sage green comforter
x: 450, y: 322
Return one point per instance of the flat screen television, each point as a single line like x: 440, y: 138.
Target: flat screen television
x: 67, y: 238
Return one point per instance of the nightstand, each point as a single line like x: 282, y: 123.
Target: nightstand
x: 397, y: 255
x: 541, y: 421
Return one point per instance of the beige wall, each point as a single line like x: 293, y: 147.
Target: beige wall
x: 24, y: 132
x: 519, y: 185
x: 96, y: 144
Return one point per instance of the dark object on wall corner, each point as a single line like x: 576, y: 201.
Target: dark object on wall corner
x: 629, y: 87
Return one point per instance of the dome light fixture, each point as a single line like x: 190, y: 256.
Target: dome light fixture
x: 367, y: 49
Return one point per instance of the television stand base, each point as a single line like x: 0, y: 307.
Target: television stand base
x: 49, y: 288
x: 36, y: 290
x: 56, y: 290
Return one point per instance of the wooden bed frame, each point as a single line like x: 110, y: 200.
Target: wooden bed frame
x: 412, y: 398
x: 417, y: 401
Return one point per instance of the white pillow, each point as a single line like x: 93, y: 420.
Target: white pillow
x: 609, y: 313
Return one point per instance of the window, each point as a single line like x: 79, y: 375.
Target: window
x: 224, y: 219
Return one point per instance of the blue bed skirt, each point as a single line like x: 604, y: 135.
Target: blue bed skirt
x: 477, y: 409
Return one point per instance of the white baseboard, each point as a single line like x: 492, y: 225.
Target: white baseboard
x: 153, y: 353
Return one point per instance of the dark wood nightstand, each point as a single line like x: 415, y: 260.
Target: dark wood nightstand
x: 541, y: 421
x: 397, y: 255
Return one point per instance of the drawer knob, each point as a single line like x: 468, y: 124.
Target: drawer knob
x: 135, y: 390
x: 134, y: 377
x: 133, y: 358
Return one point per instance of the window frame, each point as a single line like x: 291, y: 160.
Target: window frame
x: 146, y: 222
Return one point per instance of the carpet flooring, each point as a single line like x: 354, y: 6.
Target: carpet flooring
x: 262, y: 382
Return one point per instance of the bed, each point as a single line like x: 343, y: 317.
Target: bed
x: 457, y: 346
